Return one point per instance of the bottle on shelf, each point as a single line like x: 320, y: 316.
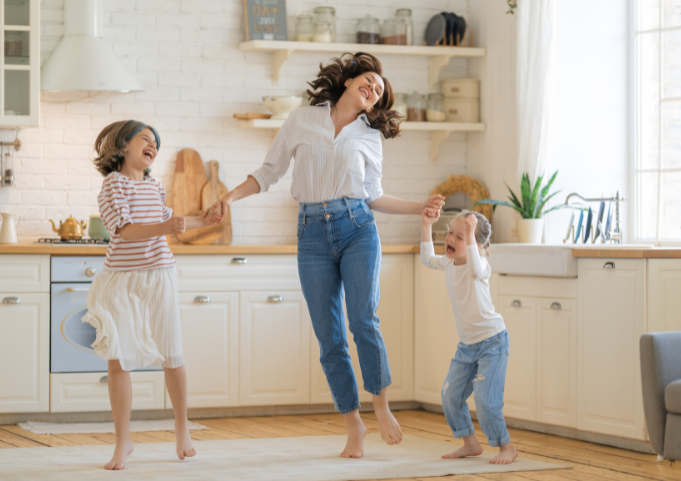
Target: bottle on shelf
x: 436, y: 111
x: 416, y: 108
x: 328, y: 15
x: 394, y: 32
x: 405, y: 15
x: 304, y: 27
x: 322, y: 32
x: 368, y: 30
x: 400, y: 105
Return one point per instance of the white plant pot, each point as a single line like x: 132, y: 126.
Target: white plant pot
x: 530, y: 230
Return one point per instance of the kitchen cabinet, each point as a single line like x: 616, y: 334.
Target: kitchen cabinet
x: 24, y: 352
x: 395, y: 311
x: 274, y: 348
x: 20, y: 63
x: 612, y: 318
x: 25, y: 273
x: 664, y: 301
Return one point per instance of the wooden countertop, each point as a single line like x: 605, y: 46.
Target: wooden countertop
x: 661, y: 253
x: 100, y: 250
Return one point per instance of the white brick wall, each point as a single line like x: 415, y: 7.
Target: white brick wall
x: 185, y: 55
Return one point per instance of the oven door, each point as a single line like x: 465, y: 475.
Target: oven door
x: 70, y: 338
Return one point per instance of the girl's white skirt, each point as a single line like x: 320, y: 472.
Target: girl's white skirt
x: 137, y: 317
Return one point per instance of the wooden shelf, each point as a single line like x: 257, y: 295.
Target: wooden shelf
x: 439, y: 56
x: 439, y: 131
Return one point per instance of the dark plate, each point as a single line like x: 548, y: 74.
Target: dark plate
x: 461, y: 28
x: 452, y: 25
x: 435, y: 29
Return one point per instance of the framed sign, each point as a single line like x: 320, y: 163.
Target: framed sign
x: 265, y: 19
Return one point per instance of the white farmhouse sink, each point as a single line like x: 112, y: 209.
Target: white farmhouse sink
x: 544, y: 260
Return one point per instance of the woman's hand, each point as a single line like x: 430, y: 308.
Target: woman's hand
x: 436, y: 202
x: 430, y: 216
x: 214, y: 214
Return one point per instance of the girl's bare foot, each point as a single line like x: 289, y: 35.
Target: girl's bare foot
x: 121, y: 453
x: 185, y: 447
x: 471, y: 447
x: 391, y: 432
x: 506, y: 456
x: 354, y: 448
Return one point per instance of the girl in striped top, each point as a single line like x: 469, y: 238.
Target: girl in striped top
x: 133, y: 303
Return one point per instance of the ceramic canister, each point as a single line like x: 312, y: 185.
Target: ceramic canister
x: 96, y: 229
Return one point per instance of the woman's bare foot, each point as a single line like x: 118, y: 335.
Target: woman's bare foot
x: 506, y: 455
x: 471, y: 447
x: 121, y: 453
x: 391, y: 432
x: 354, y: 448
x: 185, y: 447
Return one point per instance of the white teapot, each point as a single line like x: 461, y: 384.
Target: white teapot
x: 8, y: 231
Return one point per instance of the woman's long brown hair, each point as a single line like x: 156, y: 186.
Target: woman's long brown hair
x: 330, y: 85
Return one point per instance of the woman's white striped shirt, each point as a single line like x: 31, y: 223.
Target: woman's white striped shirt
x: 325, y: 168
x: 123, y: 201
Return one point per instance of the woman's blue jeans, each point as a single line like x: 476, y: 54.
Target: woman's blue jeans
x: 339, y: 251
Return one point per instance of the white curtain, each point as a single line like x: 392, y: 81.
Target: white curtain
x: 536, y: 24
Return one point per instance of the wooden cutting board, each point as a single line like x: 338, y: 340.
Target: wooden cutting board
x: 190, y: 177
x: 213, y: 191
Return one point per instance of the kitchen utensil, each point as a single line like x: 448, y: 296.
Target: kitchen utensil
x: 570, y: 225
x: 8, y: 231
x: 70, y: 229
x: 435, y: 29
x: 252, y: 116
x: 587, y: 228
x: 213, y: 191
x: 599, y: 221
x: 608, y: 222
x: 96, y: 229
x: 281, y: 105
x: 190, y: 177
x: 579, y: 225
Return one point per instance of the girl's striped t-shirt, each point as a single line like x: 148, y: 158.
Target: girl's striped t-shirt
x: 123, y: 201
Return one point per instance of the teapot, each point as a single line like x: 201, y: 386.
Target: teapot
x: 70, y: 229
x: 8, y: 233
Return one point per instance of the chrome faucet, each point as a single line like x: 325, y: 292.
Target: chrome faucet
x: 616, y: 236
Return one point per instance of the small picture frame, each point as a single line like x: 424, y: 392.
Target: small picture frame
x: 265, y: 19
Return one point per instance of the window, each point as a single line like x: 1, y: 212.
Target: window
x: 658, y: 100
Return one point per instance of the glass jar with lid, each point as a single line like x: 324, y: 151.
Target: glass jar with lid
x: 328, y: 15
x: 416, y: 108
x: 400, y: 105
x: 304, y: 27
x: 436, y: 108
x: 322, y: 32
x: 394, y: 32
x: 14, y: 44
x: 405, y: 15
x: 368, y: 30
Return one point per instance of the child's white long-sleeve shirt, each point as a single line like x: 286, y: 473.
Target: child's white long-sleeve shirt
x: 468, y: 288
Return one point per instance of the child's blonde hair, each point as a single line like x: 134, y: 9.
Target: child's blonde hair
x: 111, y: 140
x: 483, y: 231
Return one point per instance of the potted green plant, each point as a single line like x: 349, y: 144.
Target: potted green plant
x: 531, y: 206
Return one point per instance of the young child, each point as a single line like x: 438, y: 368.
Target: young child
x: 133, y: 303
x: 481, y: 358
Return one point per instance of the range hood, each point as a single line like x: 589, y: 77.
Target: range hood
x: 81, y: 60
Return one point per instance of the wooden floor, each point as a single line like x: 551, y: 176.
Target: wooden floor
x: 592, y: 462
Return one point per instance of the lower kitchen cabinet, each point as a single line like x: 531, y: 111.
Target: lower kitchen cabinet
x: 664, y: 301
x: 612, y: 318
x: 24, y: 352
x: 274, y: 348
x: 80, y: 392
x: 210, y: 339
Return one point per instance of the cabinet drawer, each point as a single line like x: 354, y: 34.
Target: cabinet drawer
x: 237, y: 273
x: 90, y: 392
x: 24, y: 273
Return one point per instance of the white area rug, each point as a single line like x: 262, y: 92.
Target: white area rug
x: 92, y: 428
x: 312, y: 458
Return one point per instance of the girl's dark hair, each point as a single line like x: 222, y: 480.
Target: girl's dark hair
x: 111, y: 140
x: 330, y: 85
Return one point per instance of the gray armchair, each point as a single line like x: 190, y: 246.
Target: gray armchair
x: 661, y: 382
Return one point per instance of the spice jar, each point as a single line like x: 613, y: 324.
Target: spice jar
x: 328, y: 15
x: 400, y: 105
x: 394, y: 32
x: 416, y: 108
x: 405, y: 15
x: 304, y: 27
x: 14, y: 44
x: 322, y: 32
x: 368, y: 30
x: 436, y: 108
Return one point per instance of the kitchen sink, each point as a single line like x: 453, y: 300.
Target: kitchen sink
x: 545, y: 260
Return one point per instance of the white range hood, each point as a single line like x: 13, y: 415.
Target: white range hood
x: 82, y: 61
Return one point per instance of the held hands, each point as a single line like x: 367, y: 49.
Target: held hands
x: 218, y: 210
x: 430, y: 216
x: 435, y: 202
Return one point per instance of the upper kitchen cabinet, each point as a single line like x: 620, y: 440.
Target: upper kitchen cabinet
x: 20, y: 76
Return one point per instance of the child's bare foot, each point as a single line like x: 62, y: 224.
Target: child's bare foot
x: 471, y: 447
x: 185, y: 447
x: 121, y: 453
x: 354, y: 448
x: 506, y: 456
x: 391, y: 432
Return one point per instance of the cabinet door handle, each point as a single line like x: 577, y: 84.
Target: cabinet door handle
x: 202, y: 299
x: 77, y: 289
x: 11, y: 300
x: 90, y: 271
x: 609, y: 265
x: 556, y: 306
x: 239, y: 260
x: 516, y: 303
x: 275, y: 299
x: 104, y: 379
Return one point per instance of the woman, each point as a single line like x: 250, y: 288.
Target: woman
x: 336, y: 143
